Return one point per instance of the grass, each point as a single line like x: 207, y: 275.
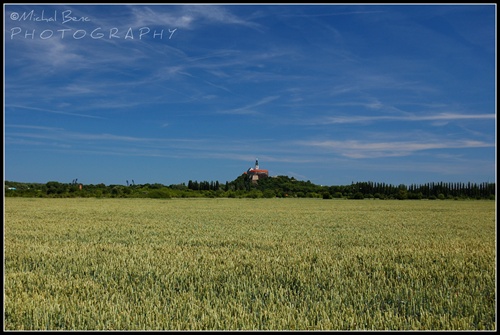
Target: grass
x: 242, y: 264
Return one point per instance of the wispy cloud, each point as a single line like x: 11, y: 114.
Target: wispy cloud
x: 60, y: 134
x: 363, y: 149
x: 219, y: 14
x: 56, y: 138
x: 187, y: 17
x: 55, y: 111
x: 409, y: 118
x: 144, y: 16
x: 250, y: 109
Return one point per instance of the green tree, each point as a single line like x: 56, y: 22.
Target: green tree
x: 358, y: 195
x: 55, y: 188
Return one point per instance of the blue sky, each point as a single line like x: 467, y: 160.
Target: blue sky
x: 327, y: 93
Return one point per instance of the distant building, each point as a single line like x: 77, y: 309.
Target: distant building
x: 255, y: 173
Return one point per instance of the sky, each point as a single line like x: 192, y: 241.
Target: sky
x: 333, y: 94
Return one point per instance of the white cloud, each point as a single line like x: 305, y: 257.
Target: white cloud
x: 163, y: 16
x: 186, y: 17
x: 411, y: 117
x: 364, y: 149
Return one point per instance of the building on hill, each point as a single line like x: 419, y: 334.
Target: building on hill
x: 257, y: 173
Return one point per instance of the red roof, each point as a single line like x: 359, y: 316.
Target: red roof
x: 258, y: 171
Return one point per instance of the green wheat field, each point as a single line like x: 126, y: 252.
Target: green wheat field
x: 249, y: 264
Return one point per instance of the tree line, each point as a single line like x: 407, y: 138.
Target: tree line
x: 243, y: 187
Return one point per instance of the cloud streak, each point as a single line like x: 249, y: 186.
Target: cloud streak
x: 55, y: 111
x: 363, y: 149
x: 250, y: 109
x: 406, y: 118
x: 187, y: 17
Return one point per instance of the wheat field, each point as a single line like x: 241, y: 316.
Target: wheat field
x: 249, y: 264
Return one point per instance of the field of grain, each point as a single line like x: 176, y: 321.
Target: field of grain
x: 229, y: 264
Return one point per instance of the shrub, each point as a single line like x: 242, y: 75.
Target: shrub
x: 358, y: 195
